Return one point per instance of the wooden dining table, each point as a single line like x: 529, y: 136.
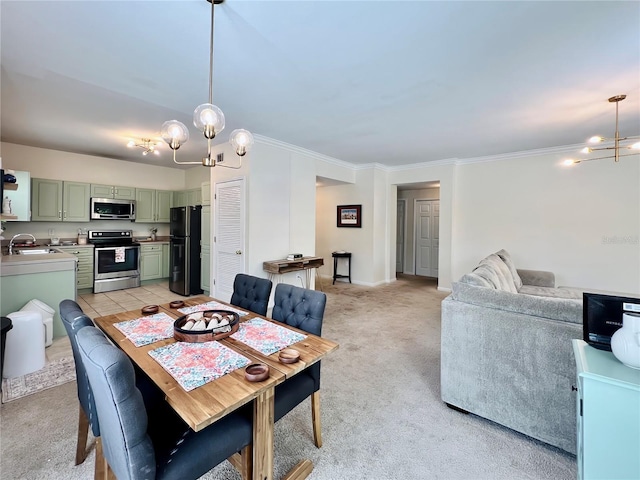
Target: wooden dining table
x: 210, y: 402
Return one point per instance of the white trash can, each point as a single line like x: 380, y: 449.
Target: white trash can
x: 24, y: 350
x: 46, y: 313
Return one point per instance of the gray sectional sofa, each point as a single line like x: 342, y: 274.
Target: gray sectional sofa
x: 506, y: 349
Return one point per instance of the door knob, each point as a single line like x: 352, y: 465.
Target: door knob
x: 238, y: 252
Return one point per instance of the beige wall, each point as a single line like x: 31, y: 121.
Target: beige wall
x: 582, y: 223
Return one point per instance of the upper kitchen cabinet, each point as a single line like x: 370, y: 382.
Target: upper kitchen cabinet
x: 153, y: 206
x: 19, y: 195
x: 184, y: 198
x: 206, y: 193
x: 110, y: 191
x: 59, y: 201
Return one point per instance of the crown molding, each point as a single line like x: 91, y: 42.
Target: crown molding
x: 563, y: 149
x: 559, y: 150
x: 303, y: 151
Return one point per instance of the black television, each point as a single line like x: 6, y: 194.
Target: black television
x: 602, y: 316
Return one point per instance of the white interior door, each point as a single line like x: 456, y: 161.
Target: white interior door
x: 228, y: 236
x: 427, y: 218
x: 400, y: 236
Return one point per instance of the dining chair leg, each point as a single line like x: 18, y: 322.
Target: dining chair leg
x: 102, y: 469
x: 315, y: 417
x: 83, y: 435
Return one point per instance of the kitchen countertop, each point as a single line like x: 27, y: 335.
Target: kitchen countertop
x: 47, y: 262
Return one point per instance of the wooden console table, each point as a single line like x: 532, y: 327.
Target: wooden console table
x: 278, y: 267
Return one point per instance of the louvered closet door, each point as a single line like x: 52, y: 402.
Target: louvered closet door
x: 228, y: 237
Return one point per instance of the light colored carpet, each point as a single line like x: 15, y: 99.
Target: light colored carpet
x: 382, y: 416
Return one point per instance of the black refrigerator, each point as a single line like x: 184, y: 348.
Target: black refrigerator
x: 185, y: 250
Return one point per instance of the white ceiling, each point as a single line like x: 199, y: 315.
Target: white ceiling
x: 391, y: 82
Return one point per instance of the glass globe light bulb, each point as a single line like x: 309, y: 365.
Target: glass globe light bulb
x: 242, y: 141
x: 568, y: 162
x: 175, y: 133
x: 131, y: 144
x: 636, y: 146
x: 586, y: 150
x: 596, y: 139
x: 209, y: 119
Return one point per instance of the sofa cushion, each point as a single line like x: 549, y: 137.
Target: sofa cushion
x: 508, y: 261
x: 505, y: 279
x: 572, y: 293
x: 488, y: 274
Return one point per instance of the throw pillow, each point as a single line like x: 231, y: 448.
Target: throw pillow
x: 506, y: 258
x: 503, y: 273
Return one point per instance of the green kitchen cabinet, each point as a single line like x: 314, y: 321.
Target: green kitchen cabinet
x: 184, y: 198
x: 113, y: 191
x: 179, y: 198
x: 205, y: 249
x: 153, y: 206
x: 151, y: 261
x: 206, y: 193
x: 165, y: 260
x: 194, y: 196
x: 59, y: 201
x: 84, y: 269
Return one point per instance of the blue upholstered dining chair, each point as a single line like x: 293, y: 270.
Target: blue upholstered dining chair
x: 251, y: 293
x: 73, y: 319
x: 143, y: 444
x: 303, y: 309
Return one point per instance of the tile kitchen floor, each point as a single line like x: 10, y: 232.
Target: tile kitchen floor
x: 99, y: 304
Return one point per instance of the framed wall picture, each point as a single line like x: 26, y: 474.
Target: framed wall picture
x: 350, y: 216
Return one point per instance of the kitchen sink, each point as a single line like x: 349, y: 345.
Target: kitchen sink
x: 37, y: 251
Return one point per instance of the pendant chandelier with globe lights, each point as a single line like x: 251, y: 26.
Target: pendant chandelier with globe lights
x: 209, y: 119
x: 619, y: 143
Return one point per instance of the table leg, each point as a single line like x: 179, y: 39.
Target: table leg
x: 263, y: 436
x: 301, y: 471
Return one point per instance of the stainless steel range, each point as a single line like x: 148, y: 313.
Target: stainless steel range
x: 116, y: 263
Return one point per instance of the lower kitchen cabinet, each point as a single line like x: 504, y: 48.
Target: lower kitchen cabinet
x: 165, y: 260
x: 608, y: 410
x: 84, y: 271
x: 151, y: 261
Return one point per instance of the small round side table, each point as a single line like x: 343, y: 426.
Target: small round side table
x: 336, y: 256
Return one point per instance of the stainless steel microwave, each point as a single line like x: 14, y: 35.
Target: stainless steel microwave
x: 112, y: 209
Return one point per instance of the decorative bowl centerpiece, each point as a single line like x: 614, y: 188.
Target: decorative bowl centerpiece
x: 176, y: 304
x: 149, y: 309
x: 206, y: 326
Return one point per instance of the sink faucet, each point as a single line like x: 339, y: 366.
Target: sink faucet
x: 16, y: 236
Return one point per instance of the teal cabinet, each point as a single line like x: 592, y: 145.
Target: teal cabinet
x: 113, y: 191
x: 608, y: 415
x: 19, y: 194
x: 151, y: 261
x: 59, y: 201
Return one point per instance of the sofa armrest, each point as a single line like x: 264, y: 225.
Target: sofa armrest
x: 537, y: 278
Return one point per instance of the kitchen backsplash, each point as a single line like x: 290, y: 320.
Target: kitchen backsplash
x: 69, y: 230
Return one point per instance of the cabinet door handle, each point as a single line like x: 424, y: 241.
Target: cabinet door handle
x: 574, y: 388
x: 64, y: 214
x: 59, y: 213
